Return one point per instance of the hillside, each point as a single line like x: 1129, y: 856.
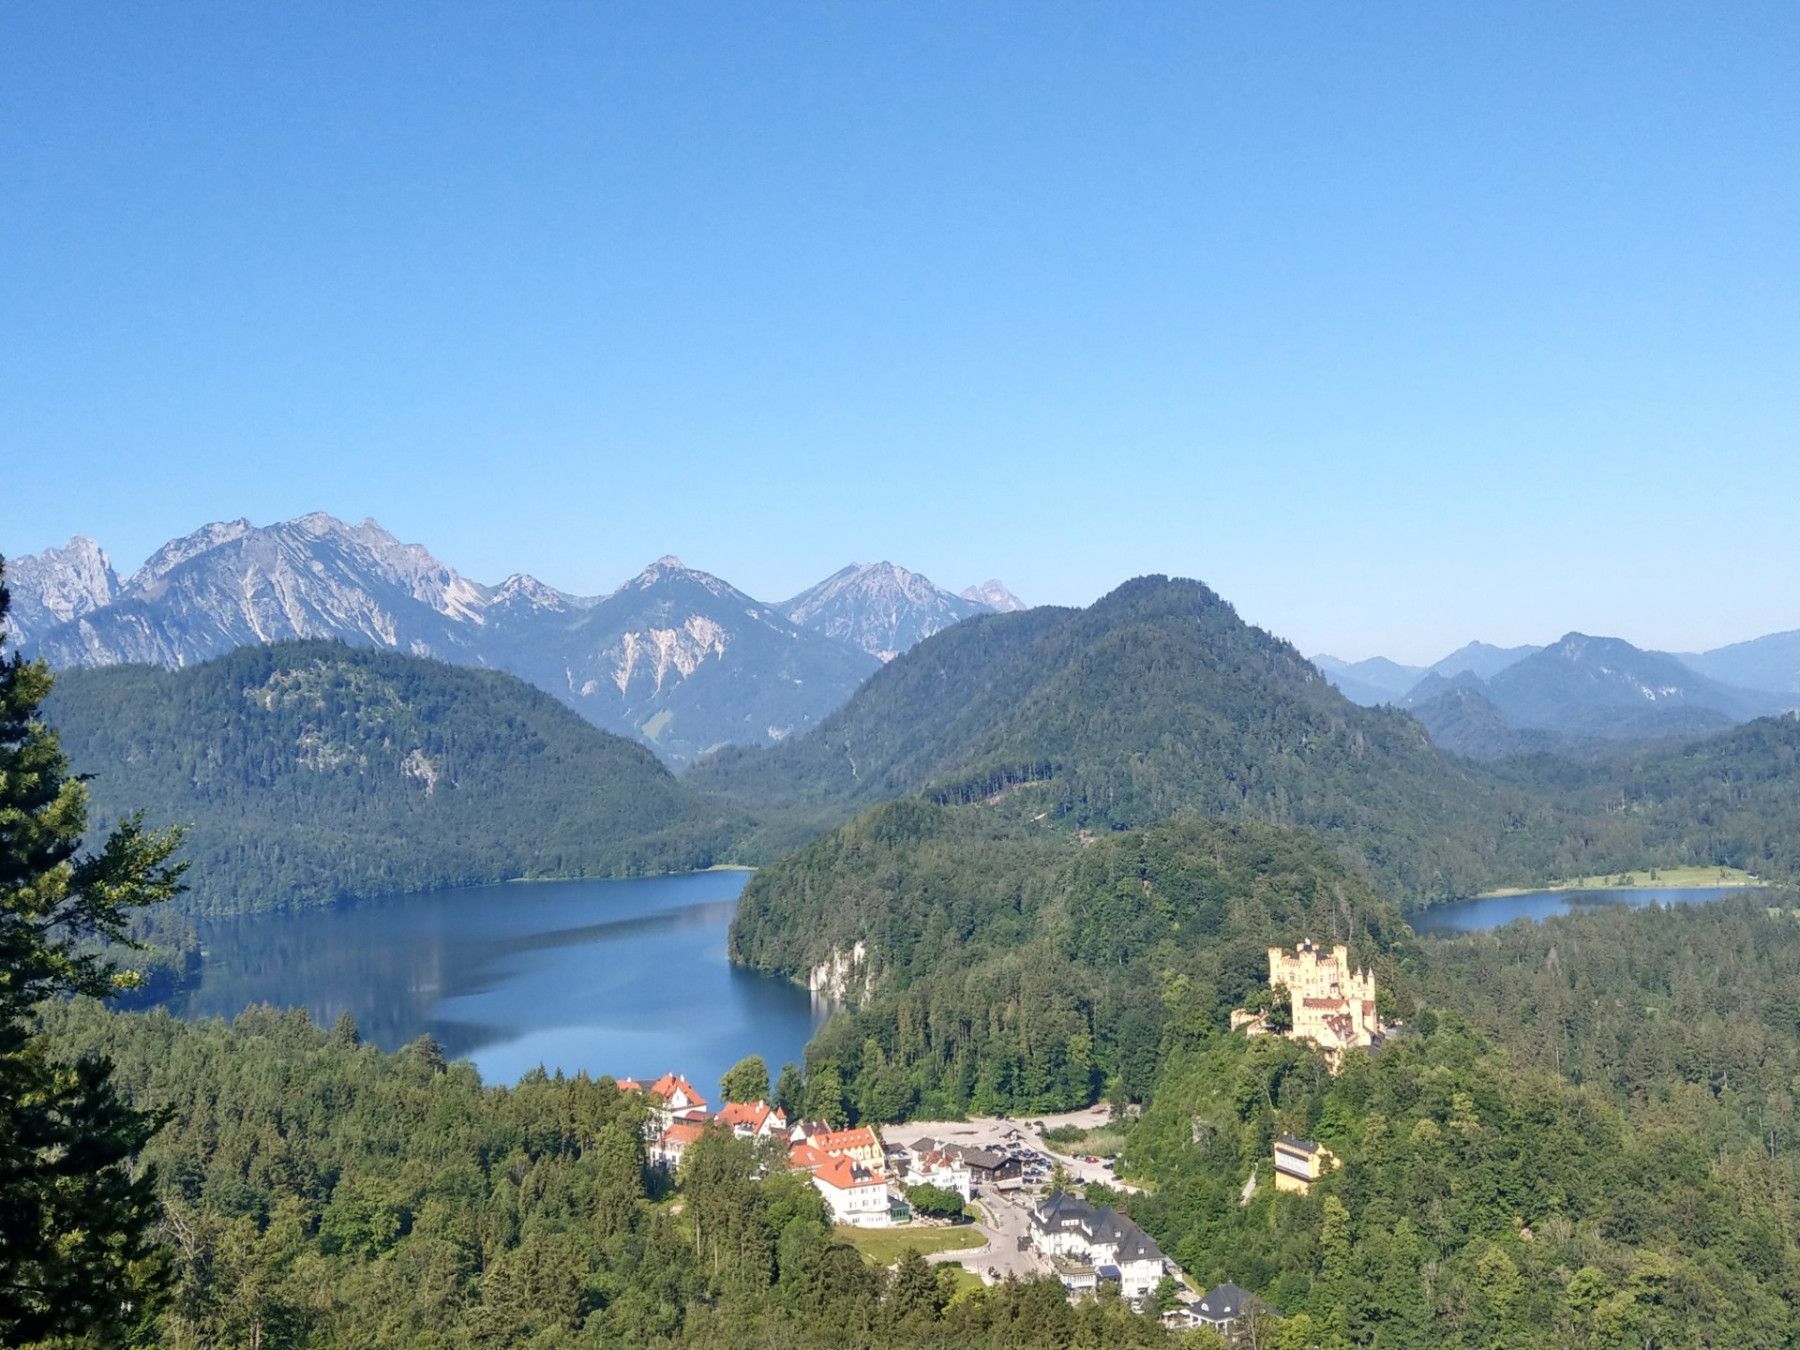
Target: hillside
x: 309, y: 772
x: 1009, y: 968
x: 1728, y: 799
x: 1154, y: 701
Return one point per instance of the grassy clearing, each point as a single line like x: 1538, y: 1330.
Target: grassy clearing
x: 883, y: 1246
x: 1665, y: 878
x: 1103, y: 1141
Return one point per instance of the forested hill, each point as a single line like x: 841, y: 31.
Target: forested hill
x: 1010, y: 968
x: 1728, y: 799
x: 311, y: 771
x: 1156, y: 700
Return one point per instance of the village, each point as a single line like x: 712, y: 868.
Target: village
x: 1006, y: 1173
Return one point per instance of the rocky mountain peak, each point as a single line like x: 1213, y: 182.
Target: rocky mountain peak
x: 520, y: 591
x: 58, y: 585
x: 177, y: 551
x: 669, y: 570
x: 879, y: 607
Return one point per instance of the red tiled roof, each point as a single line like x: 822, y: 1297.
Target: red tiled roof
x: 753, y: 1114
x: 684, y: 1134
x: 842, y: 1141
x: 804, y: 1157
x: 667, y: 1086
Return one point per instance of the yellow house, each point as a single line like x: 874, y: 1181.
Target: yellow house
x: 1300, y: 1162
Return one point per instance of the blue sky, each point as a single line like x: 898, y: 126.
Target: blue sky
x: 1398, y: 325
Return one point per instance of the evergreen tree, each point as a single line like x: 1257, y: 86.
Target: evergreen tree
x: 76, y: 1256
x: 790, y: 1091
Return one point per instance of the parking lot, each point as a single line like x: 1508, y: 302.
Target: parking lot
x: 1006, y: 1215
x: 1023, y: 1138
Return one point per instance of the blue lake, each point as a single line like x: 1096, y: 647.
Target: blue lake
x: 615, y: 977
x: 1493, y: 911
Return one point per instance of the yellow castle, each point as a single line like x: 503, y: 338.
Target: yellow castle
x: 1333, y: 1006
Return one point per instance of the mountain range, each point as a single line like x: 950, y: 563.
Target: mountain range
x: 674, y: 657
x: 1574, y: 696
x: 1379, y: 680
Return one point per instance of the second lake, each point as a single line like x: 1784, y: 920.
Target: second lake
x: 1492, y: 911
x: 612, y: 977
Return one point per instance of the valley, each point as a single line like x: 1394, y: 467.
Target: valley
x: 1029, y: 866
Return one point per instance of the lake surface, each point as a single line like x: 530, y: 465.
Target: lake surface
x: 1493, y: 911
x: 614, y: 977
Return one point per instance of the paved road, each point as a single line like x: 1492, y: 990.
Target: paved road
x: 1003, y: 1222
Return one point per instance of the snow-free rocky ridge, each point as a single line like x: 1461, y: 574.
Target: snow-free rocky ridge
x: 675, y: 656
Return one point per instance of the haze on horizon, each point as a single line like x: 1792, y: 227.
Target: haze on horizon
x: 1398, y: 328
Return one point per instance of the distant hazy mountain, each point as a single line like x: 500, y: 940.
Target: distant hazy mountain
x: 1771, y: 662
x: 1378, y: 680
x: 1372, y: 682
x: 1482, y: 659
x: 675, y: 657
x: 1607, y: 687
x: 881, y: 608
x: 995, y: 596
x: 58, y: 585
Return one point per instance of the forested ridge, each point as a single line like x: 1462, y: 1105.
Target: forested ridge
x: 1157, y: 699
x: 306, y: 772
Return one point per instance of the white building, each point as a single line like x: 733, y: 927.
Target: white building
x: 1067, y: 1226
x: 754, y: 1120
x: 856, y: 1194
x: 943, y: 1168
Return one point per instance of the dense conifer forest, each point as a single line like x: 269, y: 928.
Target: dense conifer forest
x: 307, y: 772
x: 318, y: 1192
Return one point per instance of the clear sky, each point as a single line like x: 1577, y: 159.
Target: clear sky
x: 1398, y: 324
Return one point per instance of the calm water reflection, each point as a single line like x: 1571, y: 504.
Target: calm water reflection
x: 619, y: 977
x: 1472, y: 916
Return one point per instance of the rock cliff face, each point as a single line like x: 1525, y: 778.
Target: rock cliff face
x: 881, y: 608
x: 687, y: 662
x: 58, y: 585
x: 675, y: 657
x: 231, y: 584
